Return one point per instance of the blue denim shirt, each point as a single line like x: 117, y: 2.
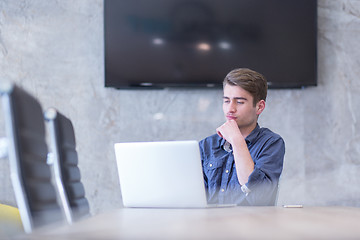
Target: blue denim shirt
x: 267, y: 150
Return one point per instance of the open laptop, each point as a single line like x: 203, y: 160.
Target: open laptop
x: 161, y: 174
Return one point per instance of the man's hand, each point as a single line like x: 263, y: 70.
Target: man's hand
x: 229, y: 131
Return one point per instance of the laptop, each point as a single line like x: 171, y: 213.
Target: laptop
x: 164, y: 174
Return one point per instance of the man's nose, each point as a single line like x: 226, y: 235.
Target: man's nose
x: 232, y: 107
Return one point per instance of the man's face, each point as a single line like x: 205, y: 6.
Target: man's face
x: 238, y: 105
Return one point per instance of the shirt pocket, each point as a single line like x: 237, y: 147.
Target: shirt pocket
x: 213, y: 171
x: 213, y: 165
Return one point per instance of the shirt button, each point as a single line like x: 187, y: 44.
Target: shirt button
x: 222, y: 190
x: 227, y: 171
x: 210, y: 165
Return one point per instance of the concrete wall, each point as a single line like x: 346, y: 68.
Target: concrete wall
x: 54, y: 49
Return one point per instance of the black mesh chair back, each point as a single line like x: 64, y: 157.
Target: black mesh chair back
x: 67, y: 173
x: 27, y: 151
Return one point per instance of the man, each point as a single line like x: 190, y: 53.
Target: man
x: 242, y: 163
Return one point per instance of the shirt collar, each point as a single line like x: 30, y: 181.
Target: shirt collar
x: 249, y: 139
x: 253, y: 135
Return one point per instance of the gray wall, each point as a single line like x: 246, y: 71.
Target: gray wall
x: 54, y: 49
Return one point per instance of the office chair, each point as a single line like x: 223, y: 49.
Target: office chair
x: 277, y: 192
x: 27, y: 152
x: 65, y: 165
x: 275, y: 196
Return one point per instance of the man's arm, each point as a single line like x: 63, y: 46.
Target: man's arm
x: 263, y: 181
x: 243, y: 162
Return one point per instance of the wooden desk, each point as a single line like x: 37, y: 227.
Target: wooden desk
x: 214, y: 223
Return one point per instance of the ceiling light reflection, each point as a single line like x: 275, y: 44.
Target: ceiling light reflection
x: 224, y: 45
x: 158, y: 41
x: 203, y: 46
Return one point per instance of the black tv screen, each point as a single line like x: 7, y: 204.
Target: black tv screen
x: 195, y: 43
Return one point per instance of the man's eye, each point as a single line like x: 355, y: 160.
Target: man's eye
x: 226, y: 101
x: 240, y: 102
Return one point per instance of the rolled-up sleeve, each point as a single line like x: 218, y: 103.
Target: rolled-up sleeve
x: 263, y: 182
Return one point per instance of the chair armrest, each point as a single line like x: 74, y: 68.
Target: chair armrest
x: 4, y: 148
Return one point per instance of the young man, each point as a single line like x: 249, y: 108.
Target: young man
x: 242, y: 163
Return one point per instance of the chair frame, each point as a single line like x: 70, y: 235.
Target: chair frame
x: 54, y: 119
x: 50, y: 116
x: 15, y: 172
x: 31, y: 177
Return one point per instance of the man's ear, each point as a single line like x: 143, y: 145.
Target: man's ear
x: 260, y: 106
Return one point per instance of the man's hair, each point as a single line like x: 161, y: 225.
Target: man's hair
x: 249, y: 80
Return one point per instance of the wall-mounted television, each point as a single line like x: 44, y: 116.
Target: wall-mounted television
x: 195, y: 43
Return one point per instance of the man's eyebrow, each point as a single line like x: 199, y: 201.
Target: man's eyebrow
x: 237, y: 98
